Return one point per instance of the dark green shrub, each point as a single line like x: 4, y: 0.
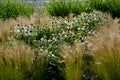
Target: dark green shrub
x: 111, y: 6
x: 58, y: 8
x: 64, y: 8
x: 12, y: 9
x: 79, y: 7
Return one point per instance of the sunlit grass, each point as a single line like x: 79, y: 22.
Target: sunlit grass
x: 106, y: 51
x: 72, y: 59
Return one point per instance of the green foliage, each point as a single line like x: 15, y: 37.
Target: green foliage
x: 64, y: 8
x: 88, y: 66
x: 111, y: 6
x: 58, y: 8
x: 39, y: 68
x: 108, y: 62
x: 12, y: 9
x: 7, y: 72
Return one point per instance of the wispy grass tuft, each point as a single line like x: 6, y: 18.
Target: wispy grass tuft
x: 106, y: 49
x: 15, y: 60
x: 5, y: 29
x: 18, y: 62
x: 72, y: 58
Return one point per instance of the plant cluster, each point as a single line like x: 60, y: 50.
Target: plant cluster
x: 65, y: 30
x: 13, y: 9
x: 47, y: 39
x: 62, y: 49
x: 111, y: 6
x: 64, y: 8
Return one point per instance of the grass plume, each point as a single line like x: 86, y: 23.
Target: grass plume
x: 106, y: 49
x: 72, y: 58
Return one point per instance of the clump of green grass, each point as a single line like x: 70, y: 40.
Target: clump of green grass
x: 107, y: 51
x: 18, y: 62
x: 111, y: 6
x: 12, y: 9
x: 64, y: 8
x: 72, y: 59
x: 14, y: 61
